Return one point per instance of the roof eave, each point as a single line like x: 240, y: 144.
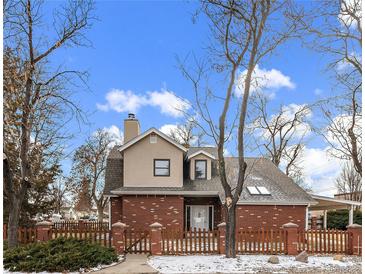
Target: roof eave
x: 146, y: 133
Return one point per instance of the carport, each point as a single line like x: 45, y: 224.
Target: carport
x: 327, y: 203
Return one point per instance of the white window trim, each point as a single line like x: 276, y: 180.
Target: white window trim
x: 186, y: 215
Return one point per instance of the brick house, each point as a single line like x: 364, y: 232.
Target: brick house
x: 151, y: 178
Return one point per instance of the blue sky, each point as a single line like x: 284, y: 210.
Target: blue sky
x: 135, y: 45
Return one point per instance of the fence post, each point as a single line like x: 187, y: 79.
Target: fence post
x: 355, y: 238
x: 291, y: 243
x: 156, y: 238
x: 118, y: 236
x: 222, y: 238
x: 81, y: 224
x: 314, y: 222
x: 43, y: 231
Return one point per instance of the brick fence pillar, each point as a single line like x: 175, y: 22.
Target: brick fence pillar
x: 118, y: 236
x: 222, y: 238
x: 156, y: 238
x: 355, y: 238
x: 43, y: 231
x: 291, y: 231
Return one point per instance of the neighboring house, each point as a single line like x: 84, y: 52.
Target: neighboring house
x: 151, y: 178
x: 350, y: 196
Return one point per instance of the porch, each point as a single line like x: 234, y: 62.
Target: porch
x: 324, y: 204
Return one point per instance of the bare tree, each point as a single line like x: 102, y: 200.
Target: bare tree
x: 186, y: 134
x: 90, y: 163
x: 349, y: 183
x: 334, y: 28
x: 281, y: 135
x: 243, y: 34
x: 37, y: 89
x: 62, y: 191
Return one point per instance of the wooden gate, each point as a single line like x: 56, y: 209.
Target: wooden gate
x: 137, y: 241
x: 196, y: 241
x: 262, y: 241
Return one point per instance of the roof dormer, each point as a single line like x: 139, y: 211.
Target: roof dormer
x: 200, y: 165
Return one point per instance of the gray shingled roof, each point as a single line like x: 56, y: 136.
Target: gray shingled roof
x: 210, y: 150
x: 260, y: 172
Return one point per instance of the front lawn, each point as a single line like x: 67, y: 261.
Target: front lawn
x: 58, y: 255
x: 252, y: 264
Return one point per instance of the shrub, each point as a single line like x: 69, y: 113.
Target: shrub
x: 340, y: 219
x: 57, y: 256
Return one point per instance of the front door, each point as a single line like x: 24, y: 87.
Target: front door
x: 199, y: 217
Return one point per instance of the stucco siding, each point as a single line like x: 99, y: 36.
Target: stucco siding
x: 139, y: 161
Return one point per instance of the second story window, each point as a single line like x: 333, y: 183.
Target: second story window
x: 200, y: 169
x: 161, y: 167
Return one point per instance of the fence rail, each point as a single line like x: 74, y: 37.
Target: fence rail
x: 26, y: 235
x: 196, y: 241
x: 263, y: 241
x: 90, y: 225
x: 100, y: 235
x: 323, y: 241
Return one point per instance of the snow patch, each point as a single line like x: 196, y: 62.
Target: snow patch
x: 244, y: 263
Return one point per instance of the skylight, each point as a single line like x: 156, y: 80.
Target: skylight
x: 258, y: 190
x: 263, y: 190
x: 253, y: 190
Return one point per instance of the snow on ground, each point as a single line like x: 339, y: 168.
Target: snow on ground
x: 249, y: 264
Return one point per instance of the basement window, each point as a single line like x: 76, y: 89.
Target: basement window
x: 258, y: 190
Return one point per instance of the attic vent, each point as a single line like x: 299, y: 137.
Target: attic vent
x: 258, y: 190
x: 153, y: 138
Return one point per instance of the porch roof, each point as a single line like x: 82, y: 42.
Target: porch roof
x: 327, y: 203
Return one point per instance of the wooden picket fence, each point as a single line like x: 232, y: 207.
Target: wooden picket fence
x: 137, y: 241
x: 196, y: 241
x: 26, y: 235
x: 89, y: 225
x: 101, y: 235
x: 261, y: 241
x: 324, y: 241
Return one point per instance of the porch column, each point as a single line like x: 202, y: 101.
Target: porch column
x: 325, y: 219
x: 306, y: 217
x: 351, y: 215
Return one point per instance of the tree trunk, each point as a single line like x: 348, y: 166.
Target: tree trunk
x: 100, y: 213
x: 13, y: 223
x: 231, y: 232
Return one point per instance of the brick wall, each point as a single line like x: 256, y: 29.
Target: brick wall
x: 140, y: 211
x: 116, y: 209
x: 269, y: 216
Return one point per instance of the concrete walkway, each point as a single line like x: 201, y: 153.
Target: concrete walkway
x: 133, y: 264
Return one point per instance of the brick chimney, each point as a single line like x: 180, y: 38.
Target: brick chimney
x: 131, y: 127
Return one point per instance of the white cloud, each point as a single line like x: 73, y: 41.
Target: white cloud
x: 128, y: 101
x: 168, y: 128
x: 115, y: 133
x: 353, y: 6
x: 320, y: 170
x: 318, y: 91
x: 168, y: 103
x: 300, y: 129
x: 264, y: 80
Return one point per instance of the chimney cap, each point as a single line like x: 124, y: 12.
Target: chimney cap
x: 131, y: 116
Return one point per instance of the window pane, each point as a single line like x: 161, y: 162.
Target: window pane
x: 200, y: 169
x: 162, y: 163
x: 161, y: 172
